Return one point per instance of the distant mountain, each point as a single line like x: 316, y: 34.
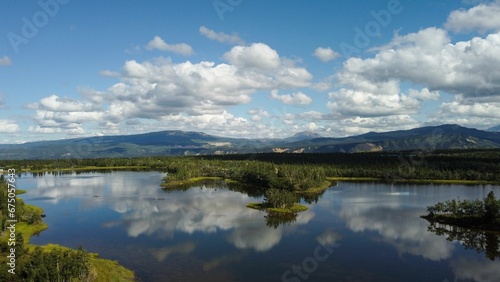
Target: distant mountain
x: 448, y: 136
x: 301, y: 136
x: 494, y: 128
x: 170, y: 143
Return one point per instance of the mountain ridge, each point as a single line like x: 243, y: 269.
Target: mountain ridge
x: 176, y: 142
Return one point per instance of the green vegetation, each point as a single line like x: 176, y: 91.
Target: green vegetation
x: 278, y: 201
x: 443, y: 166
x: 50, y: 262
x: 470, y: 166
x: 306, y: 175
x: 478, y: 214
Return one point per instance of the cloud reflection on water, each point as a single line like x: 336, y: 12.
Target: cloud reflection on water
x: 147, y: 210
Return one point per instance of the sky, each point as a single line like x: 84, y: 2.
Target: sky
x: 242, y: 68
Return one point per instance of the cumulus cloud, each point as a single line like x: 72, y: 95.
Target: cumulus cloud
x: 55, y: 103
x: 257, y: 114
x: 221, y: 36
x: 483, y: 17
x: 325, y: 54
x: 463, y: 107
x: 63, y: 115
x: 5, y: 61
x: 8, y: 126
x: 429, y: 58
x: 158, y: 43
x: 298, y: 98
x: 179, y: 95
x: 370, y: 88
x: 359, y: 125
x: 423, y: 94
x: 472, y: 112
x: 368, y: 99
x: 256, y: 56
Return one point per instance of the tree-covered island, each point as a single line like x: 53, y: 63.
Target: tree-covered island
x: 467, y: 213
x: 283, y: 185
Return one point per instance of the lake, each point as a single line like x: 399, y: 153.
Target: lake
x: 354, y: 232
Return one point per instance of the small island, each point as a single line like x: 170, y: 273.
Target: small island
x: 278, y: 201
x: 477, y: 214
x: 282, y: 185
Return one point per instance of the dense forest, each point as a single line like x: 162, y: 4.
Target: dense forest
x: 458, y: 165
x: 468, y: 213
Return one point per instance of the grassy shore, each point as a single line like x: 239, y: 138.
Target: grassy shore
x: 412, y: 181
x: 296, y: 208
x: 174, y: 185
x: 317, y: 190
x: 105, y: 270
x: 87, y: 168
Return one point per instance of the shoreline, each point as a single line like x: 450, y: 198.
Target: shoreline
x: 328, y: 178
x: 106, y: 269
x: 413, y: 181
x: 129, y: 167
x: 465, y: 222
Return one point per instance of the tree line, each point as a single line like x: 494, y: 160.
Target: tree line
x: 473, y: 165
x: 487, y: 211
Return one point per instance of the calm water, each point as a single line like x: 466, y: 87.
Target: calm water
x: 355, y: 232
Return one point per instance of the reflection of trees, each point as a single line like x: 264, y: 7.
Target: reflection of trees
x: 310, y: 198
x: 276, y: 219
x: 472, y: 239
x: 205, y: 183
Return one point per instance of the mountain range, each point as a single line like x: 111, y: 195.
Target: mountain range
x: 174, y: 143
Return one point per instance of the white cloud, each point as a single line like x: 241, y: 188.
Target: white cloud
x: 472, y: 112
x: 460, y: 107
x: 257, y: 114
x: 256, y: 56
x: 221, y: 36
x: 108, y: 73
x: 171, y: 95
x: 311, y: 115
x: 429, y: 58
x: 298, y: 98
x: 483, y: 17
x: 55, y: 103
x: 423, y: 94
x: 62, y: 115
x: 160, y: 44
x: 368, y: 99
x: 8, y: 126
x: 53, y: 130
x: 5, y: 61
x: 359, y: 125
x: 326, y: 54
x: 370, y: 87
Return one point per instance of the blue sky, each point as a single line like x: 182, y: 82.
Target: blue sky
x: 244, y: 68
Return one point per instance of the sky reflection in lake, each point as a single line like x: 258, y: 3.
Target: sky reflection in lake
x: 205, y: 233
